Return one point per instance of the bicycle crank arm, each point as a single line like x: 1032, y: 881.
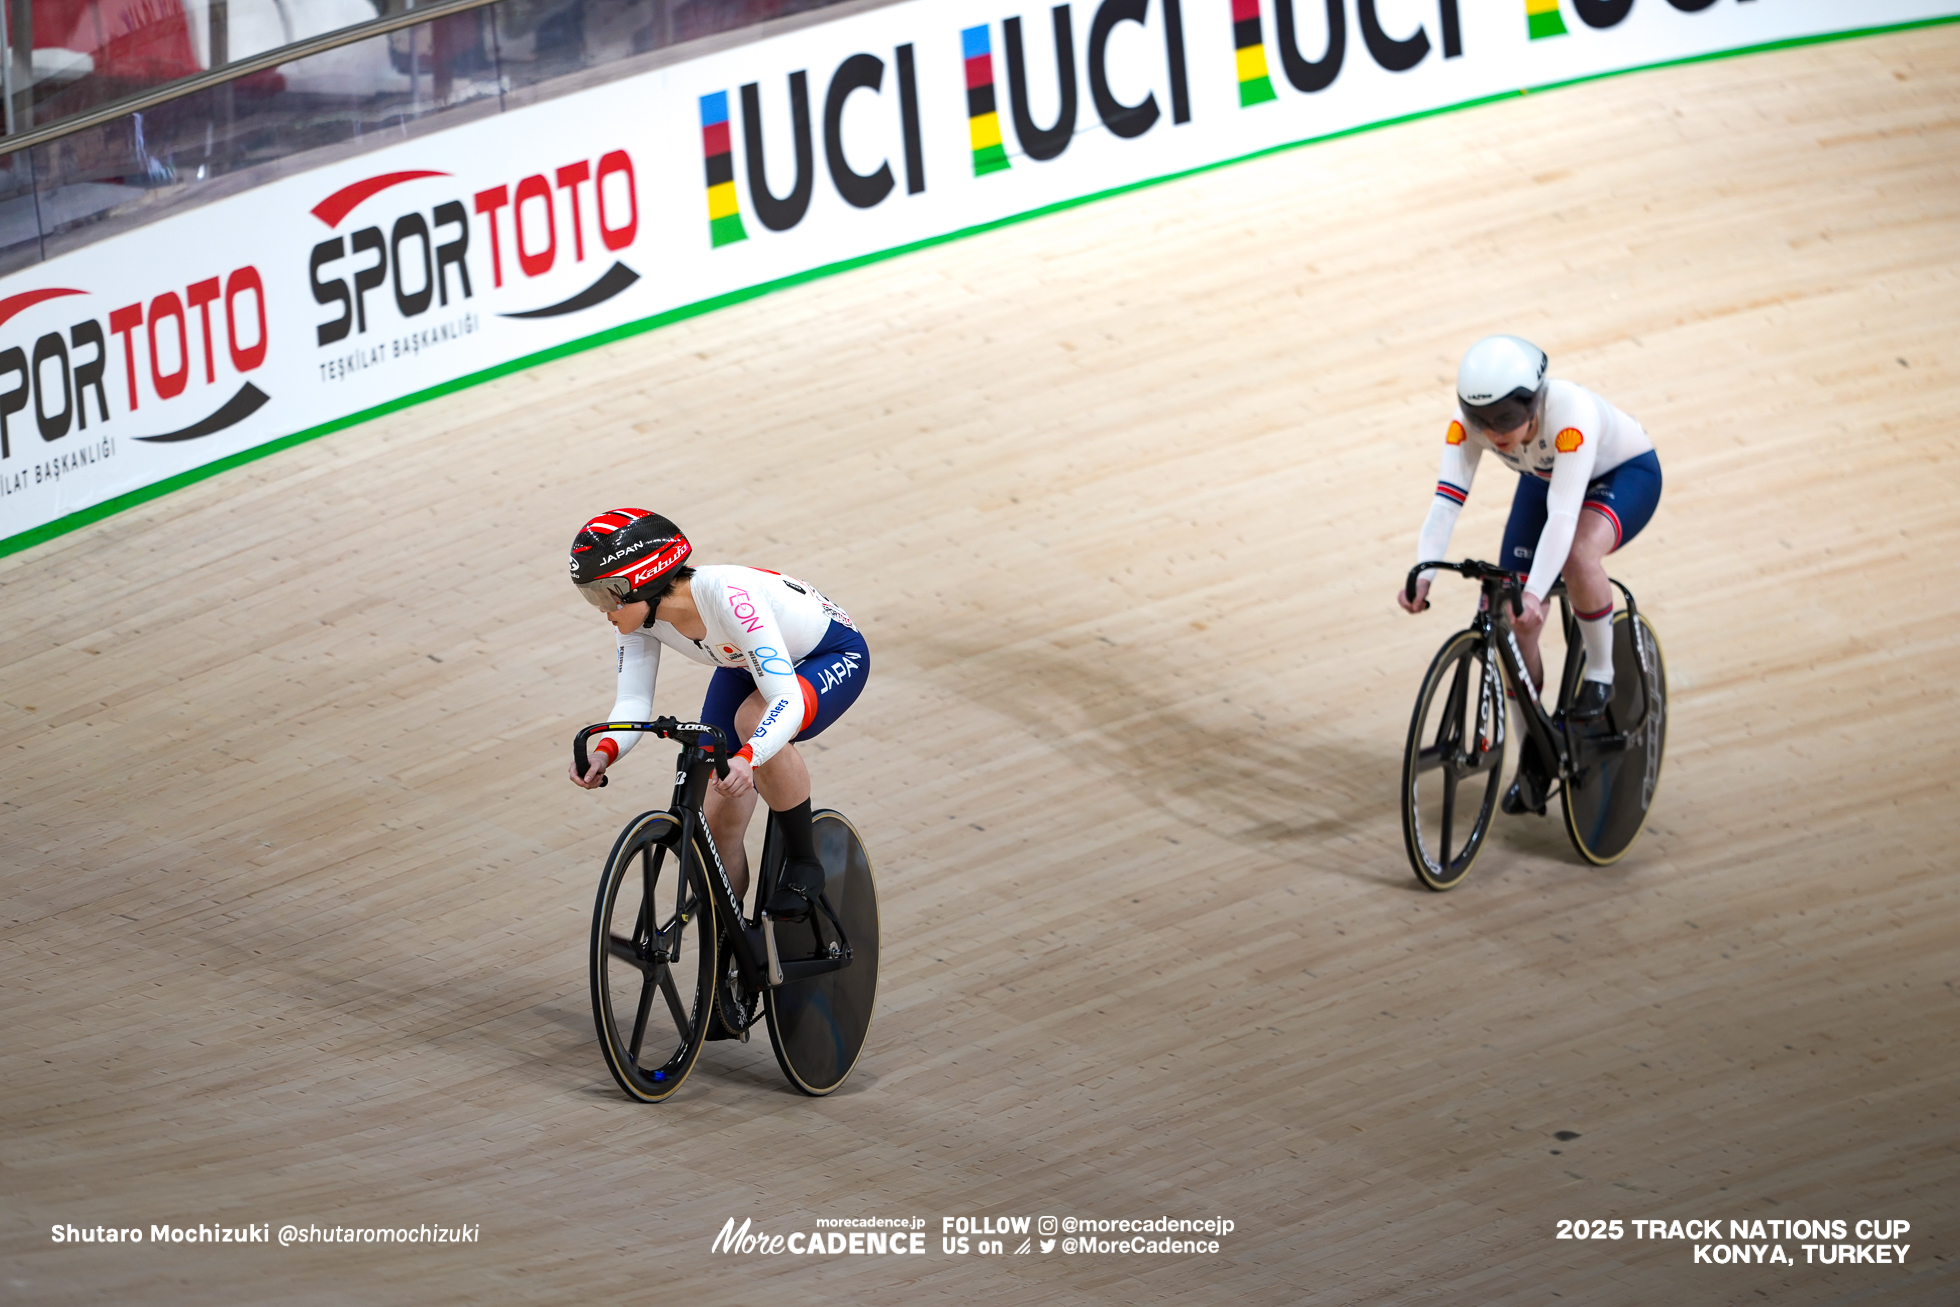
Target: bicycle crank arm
x: 813, y: 967
x: 1458, y: 764
x: 769, y: 942
x: 778, y: 972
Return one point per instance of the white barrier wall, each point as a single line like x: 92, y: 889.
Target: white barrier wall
x: 168, y: 353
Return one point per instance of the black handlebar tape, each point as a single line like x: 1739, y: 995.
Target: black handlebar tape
x: 582, y: 760
x: 720, y: 751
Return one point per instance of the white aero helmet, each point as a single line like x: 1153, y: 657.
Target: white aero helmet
x: 1499, y: 382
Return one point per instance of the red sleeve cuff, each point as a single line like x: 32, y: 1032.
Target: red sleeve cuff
x: 746, y: 753
x: 609, y: 747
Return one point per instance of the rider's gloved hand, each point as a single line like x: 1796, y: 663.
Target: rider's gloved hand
x: 1420, y: 602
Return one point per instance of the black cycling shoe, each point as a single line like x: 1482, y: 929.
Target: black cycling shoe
x: 1590, y: 701
x: 1527, y: 793
x: 796, y: 890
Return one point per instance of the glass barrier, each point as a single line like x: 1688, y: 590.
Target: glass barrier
x: 64, y: 194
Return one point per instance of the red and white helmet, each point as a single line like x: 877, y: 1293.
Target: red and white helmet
x: 619, y: 555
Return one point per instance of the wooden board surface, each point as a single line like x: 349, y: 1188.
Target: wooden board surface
x: 297, y: 895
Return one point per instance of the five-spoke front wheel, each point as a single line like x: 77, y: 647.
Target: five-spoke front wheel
x: 653, y: 958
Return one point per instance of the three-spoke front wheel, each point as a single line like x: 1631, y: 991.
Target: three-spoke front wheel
x: 653, y: 958
x: 1453, y: 763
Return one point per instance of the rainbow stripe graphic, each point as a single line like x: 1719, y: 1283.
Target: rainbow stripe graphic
x: 1542, y: 17
x: 1255, y: 85
x: 982, y: 118
x: 724, y: 210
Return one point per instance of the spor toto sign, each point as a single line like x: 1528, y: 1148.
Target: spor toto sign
x: 144, y: 360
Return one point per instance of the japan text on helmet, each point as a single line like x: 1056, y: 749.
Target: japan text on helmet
x: 621, y: 556
x: 1500, y: 381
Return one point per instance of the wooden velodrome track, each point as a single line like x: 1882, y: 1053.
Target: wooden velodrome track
x: 297, y: 894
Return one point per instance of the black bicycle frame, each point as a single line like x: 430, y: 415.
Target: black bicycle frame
x: 1503, y: 588
x: 704, y: 750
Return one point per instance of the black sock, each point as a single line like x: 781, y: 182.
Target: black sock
x: 799, y: 839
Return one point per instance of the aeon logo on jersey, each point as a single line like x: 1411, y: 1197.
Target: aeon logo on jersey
x: 742, y: 607
x: 180, y: 350
x: 435, y: 255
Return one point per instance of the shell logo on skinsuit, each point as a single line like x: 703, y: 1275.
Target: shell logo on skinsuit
x: 1455, y: 435
x: 1568, y: 440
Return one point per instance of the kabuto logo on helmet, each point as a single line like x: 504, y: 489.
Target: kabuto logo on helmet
x: 666, y: 561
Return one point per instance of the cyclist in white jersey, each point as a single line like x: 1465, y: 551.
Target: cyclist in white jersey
x: 1589, y: 480
x: 788, y: 663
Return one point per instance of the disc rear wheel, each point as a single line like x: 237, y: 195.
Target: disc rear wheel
x: 1617, y: 763
x: 818, y: 1024
x: 1452, y: 763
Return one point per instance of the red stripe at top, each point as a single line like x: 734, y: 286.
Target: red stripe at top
x: 1244, y: 9
x: 614, y: 519
x: 714, y: 139
x: 343, y: 201
x: 979, y: 71
x: 27, y: 299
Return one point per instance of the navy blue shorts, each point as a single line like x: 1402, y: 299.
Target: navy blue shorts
x: 832, y: 675
x: 1626, y: 497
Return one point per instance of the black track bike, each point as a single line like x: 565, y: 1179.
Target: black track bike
x: 1453, y: 764
x: 675, y: 963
